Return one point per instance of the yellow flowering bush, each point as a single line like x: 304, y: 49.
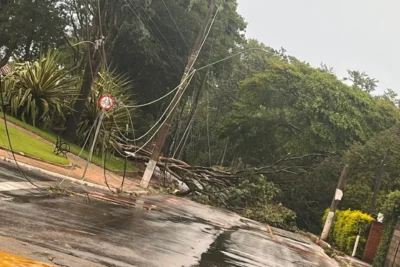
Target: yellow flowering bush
x: 346, y: 226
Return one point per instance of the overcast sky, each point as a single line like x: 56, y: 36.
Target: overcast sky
x: 345, y: 34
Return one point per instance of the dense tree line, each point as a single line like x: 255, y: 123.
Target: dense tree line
x: 257, y: 106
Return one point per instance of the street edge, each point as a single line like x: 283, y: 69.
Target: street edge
x: 74, y: 180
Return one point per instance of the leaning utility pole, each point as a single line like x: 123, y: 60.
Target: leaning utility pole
x: 162, y: 135
x: 338, y: 196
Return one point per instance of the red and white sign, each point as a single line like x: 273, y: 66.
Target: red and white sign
x: 106, y: 102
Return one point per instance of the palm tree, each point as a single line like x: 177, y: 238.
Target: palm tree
x: 42, y: 91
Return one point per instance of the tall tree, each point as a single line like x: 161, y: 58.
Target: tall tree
x: 27, y: 27
x: 362, y: 80
x: 102, y: 21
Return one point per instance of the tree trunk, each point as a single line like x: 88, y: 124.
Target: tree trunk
x: 6, y: 58
x: 192, y: 114
x: 28, y: 44
x: 91, y: 69
x: 177, y: 130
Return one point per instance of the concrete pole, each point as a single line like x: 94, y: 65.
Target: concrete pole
x: 162, y: 135
x: 89, y: 159
x: 335, y: 202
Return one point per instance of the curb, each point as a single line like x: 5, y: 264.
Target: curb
x: 61, y: 176
x: 21, y: 154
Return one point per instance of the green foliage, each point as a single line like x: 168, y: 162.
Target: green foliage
x: 258, y: 199
x: 28, y: 26
x: 365, y: 160
x: 113, y: 163
x: 291, y: 101
x: 391, y: 213
x: 42, y: 90
x: 362, y: 81
x: 291, y: 107
x: 29, y: 145
x: 346, y: 226
x: 115, y: 121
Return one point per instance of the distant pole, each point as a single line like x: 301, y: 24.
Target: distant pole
x: 162, y: 134
x: 337, y: 197
x: 379, y: 181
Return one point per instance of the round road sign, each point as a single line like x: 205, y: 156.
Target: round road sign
x: 106, y: 102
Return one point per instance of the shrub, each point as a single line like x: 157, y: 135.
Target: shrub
x: 115, y: 120
x: 42, y: 90
x: 258, y: 199
x: 391, y: 213
x: 346, y: 226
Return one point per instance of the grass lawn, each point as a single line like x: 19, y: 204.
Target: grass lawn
x: 113, y: 163
x: 29, y: 145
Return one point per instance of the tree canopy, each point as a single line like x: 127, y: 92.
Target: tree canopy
x: 248, y: 105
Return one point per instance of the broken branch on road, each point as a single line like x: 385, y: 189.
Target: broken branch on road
x: 213, y: 180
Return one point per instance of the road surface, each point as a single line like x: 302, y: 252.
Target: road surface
x: 75, y: 231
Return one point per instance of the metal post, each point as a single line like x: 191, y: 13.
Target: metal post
x: 356, y: 245
x: 100, y: 121
x: 337, y: 197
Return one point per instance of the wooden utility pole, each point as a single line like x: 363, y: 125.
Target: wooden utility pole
x: 162, y: 135
x: 379, y: 181
x: 337, y: 197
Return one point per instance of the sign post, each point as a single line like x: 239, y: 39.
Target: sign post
x: 106, y: 103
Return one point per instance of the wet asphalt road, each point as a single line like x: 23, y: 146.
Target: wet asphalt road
x: 72, y: 231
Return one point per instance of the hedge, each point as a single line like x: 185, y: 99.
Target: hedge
x: 346, y: 226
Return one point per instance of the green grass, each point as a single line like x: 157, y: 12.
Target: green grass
x: 113, y: 163
x: 29, y: 145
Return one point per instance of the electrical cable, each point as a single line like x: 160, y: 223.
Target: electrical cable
x: 193, y: 116
x: 82, y: 149
x: 208, y: 31
x: 154, y: 101
x: 151, y: 138
x: 155, y: 25
x: 9, y: 139
x: 105, y: 164
x: 153, y: 35
x: 231, y: 56
x: 121, y: 188
x: 162, y: 116
x: 176, y: 25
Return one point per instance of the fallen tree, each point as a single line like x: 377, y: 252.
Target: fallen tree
x: 247, y: 191
x: 211, y: 180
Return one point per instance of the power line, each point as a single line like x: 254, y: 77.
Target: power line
x: 153, y: 35
x: 209, y: 29
x: 82, y: 149
x: 172, y: 109
x: 154, y: 101
x: 189, y: 77
x: 155, y: 25
x: 9, y: 139
x: 166, y: 125
x: 176, y: 25
x: 231, y: 56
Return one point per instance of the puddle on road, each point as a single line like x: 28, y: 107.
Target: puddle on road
x: 9, y: 260
x: 215, y: 257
